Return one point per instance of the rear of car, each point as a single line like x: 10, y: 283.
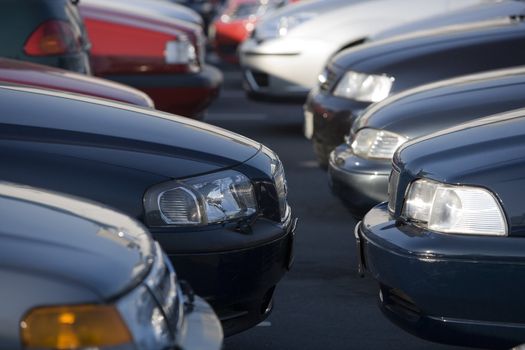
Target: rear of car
x: 49, y: 32
x: 163, y: 58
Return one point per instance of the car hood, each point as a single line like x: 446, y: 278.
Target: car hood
x: 372, y: 57
x: 432, y: 107
x: 469, y: 153
x: 361, y: 19
x: 475, y: 13
x: 71, y: 242
x: 122, y: 135
x: 25, y: 73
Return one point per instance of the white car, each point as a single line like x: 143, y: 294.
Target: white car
x: 289, y: 48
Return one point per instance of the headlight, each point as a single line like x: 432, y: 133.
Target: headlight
x: 74, y: 327
x: 454, y: 209
x: 281, y: 186
x: 202, y: 200
x: 379, y: 144
x: 180, y: 52
x: 281, y: 26
x: 364, y: 87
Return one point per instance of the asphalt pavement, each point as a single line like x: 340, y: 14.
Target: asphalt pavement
x: 322, y: 303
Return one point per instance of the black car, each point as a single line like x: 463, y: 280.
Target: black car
x: 448, y: 249
x: 80, y: 275
x: 214, y: 200
x: 49, y: 32
x: 357, y: 77
x: 359, y: 169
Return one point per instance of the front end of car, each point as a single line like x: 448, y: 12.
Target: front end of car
x: 237, y: 227
x: 340, y: 97
x: 359, y: 169
x: 277, y: 63
x: 446, y: 248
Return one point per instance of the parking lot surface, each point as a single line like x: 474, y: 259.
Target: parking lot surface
x: 322, y: 303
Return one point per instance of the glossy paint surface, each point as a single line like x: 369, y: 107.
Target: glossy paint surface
x: 113, y: 153
x: 25, y: 73
x: 58, y: 250
x: 26, y: 16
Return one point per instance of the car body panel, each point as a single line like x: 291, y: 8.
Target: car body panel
x: 482, y: 273
x: 114, y: 153
x: 413, y: 60
x: 33, y: 13
x: 42, y: 230
x: 480, y: 12
x: 139, y: 60
x: 25, y: 73
x: 299, y: 57
x: 162, y: 8
x: 362, y: 183
x: 425, y: 275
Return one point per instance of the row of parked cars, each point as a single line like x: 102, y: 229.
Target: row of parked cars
x: 124, y: 226
x: 417, y: 110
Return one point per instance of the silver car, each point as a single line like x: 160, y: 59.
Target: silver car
x: 77, y: 275
x: 289, y: 48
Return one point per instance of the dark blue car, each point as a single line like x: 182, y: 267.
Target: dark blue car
x: 448, y: 249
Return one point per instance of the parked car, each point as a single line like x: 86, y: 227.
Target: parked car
x: 289, y: 48
x: 483, y: 11
x: 215, y: 201
x: 25, y: 73
x: 236, y: 22
x: 80, y: 275
x: 358, y: 77
x: 359, y: 169
x: 163, y: 58
x: 447, y: 249
x: 48, y: 32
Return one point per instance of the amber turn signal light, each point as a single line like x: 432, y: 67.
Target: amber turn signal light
x: 72, y: 327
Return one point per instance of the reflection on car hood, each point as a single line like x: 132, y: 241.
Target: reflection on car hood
x: 122, y: 135
x: 471, y: 152
x: 71, y: 241
x: 435, y: 106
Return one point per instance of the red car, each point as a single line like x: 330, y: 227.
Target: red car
x: 236, y: 22
x: 162, y: 57
x: 31, y: 74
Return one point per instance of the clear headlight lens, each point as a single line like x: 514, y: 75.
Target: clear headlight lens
x: 374, y: 143
x: 454, y: 209
x: 180, y: 52
x: 281, y: 26
x: 364, y: 87
x: 202, y: 200
x: 145, y: 319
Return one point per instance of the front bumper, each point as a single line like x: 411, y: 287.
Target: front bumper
x: 187, y: 94
x: 201, y: 329
x: 462, y: 290
x: 359, y: 183
x: 235, y: 272
x: 332, y: 117
x: 283, y: 68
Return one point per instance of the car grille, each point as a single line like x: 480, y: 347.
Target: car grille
x: 163, y: 285
x: 392, y: 190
